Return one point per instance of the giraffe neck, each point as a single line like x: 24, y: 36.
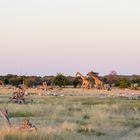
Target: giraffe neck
x: 82, y: 77
x: 95, y: 78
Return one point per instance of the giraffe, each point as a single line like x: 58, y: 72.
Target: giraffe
x: 1, y: 83
x: 43, y: 86
x: 85, y: 82
x: 98, y: 82
x: 18, y: 96
x: 42, y: 89
x: 4, y: 113
x: 25, y: 125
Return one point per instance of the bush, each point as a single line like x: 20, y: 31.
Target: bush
x: 76, y: 82
x: 60, y: 80
x: 16, y: 81
x: 28, y: 82
x: 123, y: 83
x: 6, y: 81
x: 134, y: 86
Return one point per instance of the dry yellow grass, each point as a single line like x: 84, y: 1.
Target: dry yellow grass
x: 75, y: 117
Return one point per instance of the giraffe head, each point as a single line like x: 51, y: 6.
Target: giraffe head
x: 92, y: 73
x: 89, y: 73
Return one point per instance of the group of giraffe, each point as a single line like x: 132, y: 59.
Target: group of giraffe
x: 86, y: 83
x: 18, y: 96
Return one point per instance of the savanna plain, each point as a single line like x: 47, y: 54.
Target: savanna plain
x: 74, y: 117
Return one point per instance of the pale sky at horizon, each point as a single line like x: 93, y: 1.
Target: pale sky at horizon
x: 45, y: 37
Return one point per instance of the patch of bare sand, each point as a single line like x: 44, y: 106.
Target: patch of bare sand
x: 77, y: 91
x: 95, y: 91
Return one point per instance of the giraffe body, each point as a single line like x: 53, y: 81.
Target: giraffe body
x: 98, y: 82
x: 85, y: 82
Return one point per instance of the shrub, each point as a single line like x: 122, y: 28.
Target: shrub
x: 16, y: 82
x: 76, y: 82
x: 6, y: 81
x: 60, y: 80
x: 134, y: 86
x: 123, y: 83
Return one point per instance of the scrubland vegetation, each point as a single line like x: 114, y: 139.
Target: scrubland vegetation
x: 132, y: 82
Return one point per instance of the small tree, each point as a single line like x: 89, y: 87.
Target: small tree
x: 112, y: 77
x: 6, y: 81
x: 76, y: 82
x: 60, y: 80
x: 15, y: 82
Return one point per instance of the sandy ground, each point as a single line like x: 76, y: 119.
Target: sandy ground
x: 103, y: 93
x: 76, y: 92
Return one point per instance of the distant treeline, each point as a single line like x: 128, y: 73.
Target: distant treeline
x: 62, y: 80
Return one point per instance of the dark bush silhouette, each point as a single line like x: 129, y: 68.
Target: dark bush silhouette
x: 77, y: 81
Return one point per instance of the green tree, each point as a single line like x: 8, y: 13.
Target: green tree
x: 15, y: 82
x: 6, y: 81
x: 60, y: 80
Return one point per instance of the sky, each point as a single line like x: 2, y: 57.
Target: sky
x: 46, y: 37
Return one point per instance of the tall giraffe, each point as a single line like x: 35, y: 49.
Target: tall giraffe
x: 98, y: 82
x: 85, y: 82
